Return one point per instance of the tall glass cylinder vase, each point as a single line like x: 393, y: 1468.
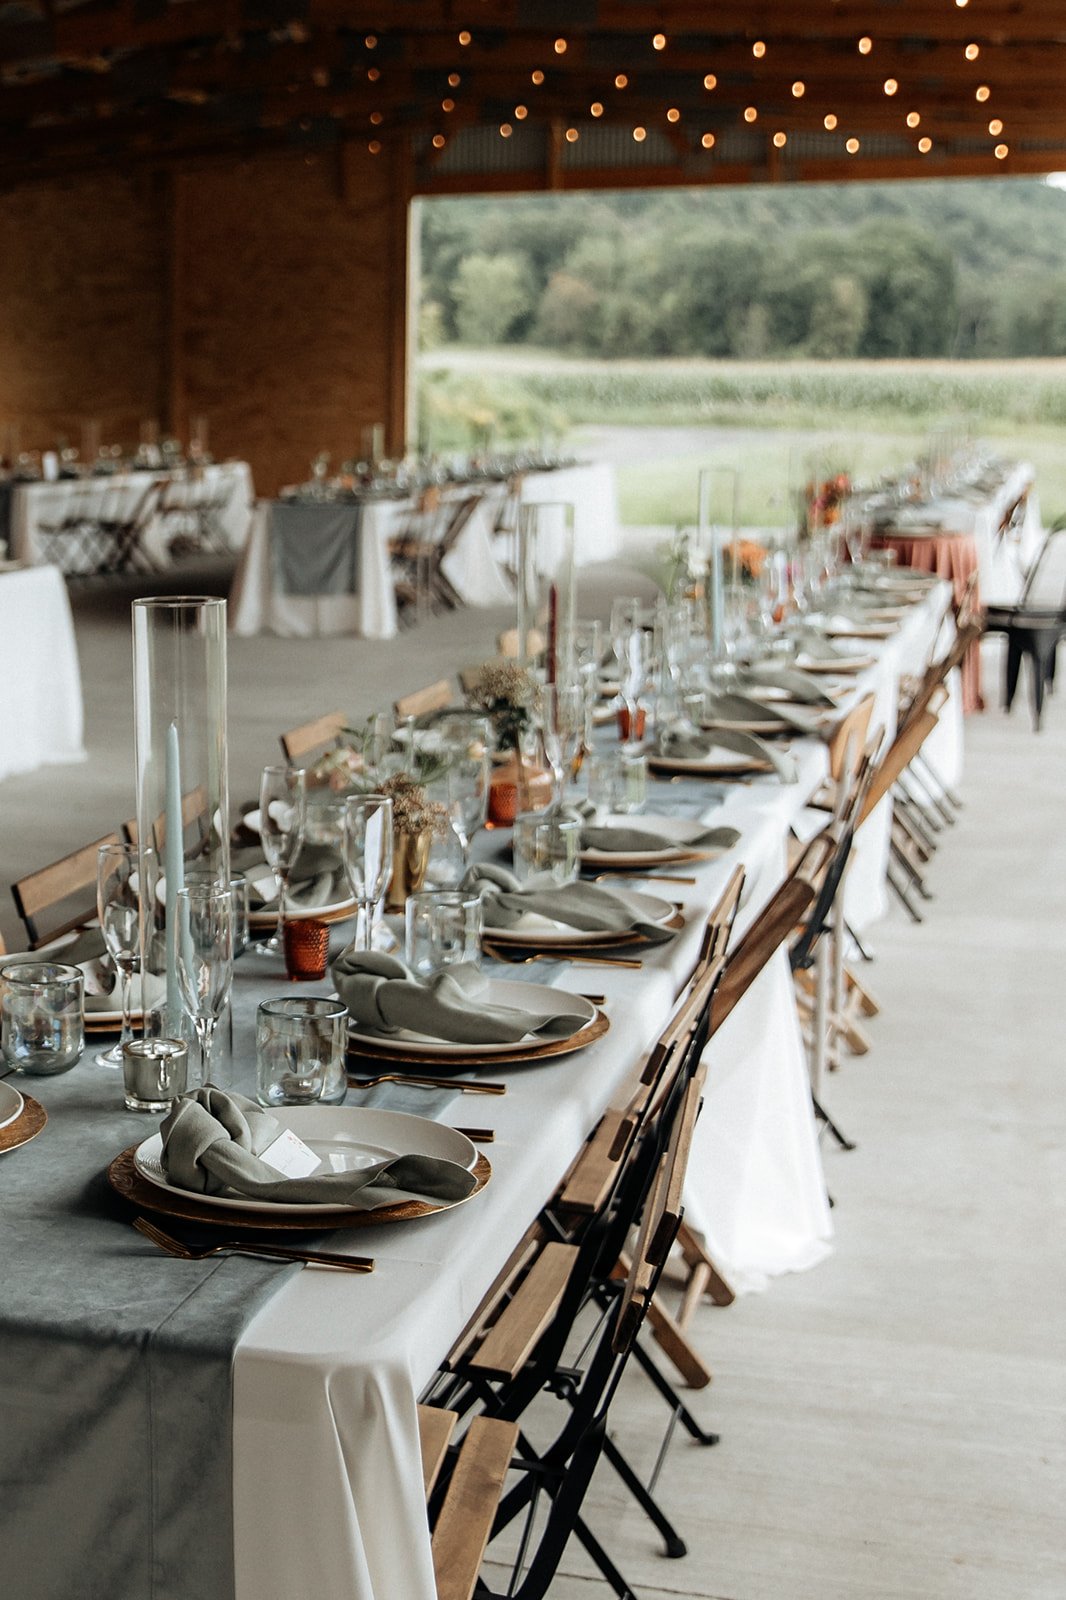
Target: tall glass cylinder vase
x: 179, y: 685
x: 547, y: 591
x: 718, y: 516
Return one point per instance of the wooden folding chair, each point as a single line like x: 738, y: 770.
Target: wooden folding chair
x: 193, y: 812
x: 468, y: 1510
x: 420, y: 702
x: 310, y: 739
x: 60, y: 897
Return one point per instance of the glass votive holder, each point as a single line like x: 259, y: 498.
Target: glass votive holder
x: 154, y: 1073
x: 42, y: 1017
x: 442, y: 929
x: 306, y: 949
x: 618, y: 781
x: 546, y: 845
x: 299, y: 1051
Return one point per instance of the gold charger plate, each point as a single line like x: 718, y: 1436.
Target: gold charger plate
x: 685, y: 769
x: 574, y: 947
x: 123, y: 1177
x: 445, y: 1065
x: 26, y: 1126
x: 268, y: 919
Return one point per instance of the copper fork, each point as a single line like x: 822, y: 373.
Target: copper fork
x: 272, y: 1252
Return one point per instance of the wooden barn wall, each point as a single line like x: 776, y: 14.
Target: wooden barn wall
x: 268, y: 296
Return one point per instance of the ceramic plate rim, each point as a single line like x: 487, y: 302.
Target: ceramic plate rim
x: 284, y: 1114
x: 10, y: 1116
x: 407, y: 1039
x: 569, y: 936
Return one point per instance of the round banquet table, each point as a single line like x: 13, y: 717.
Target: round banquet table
x: 952, y: 556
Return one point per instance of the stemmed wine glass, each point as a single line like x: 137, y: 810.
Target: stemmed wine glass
x: 204, y: 950
x: 118, y: 906
x: 367, y: 856
x: 563, y: 729
x: 464, y: 743
x: 282, y: 818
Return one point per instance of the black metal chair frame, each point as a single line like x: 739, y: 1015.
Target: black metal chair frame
x: 1033, y: 631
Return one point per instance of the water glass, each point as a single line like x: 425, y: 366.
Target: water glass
x: 154, y: 1073
x: 546, y: 843
x: 443, y: 929
x: 618, y: 781
x: 42, y: 1017
x: 299, y: 1050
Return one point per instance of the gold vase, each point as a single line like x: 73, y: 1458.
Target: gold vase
x: 410, y: 859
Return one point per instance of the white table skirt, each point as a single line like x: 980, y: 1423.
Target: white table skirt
x: 37, y: 505
x: 326, y: 1378
x: 256, y: 606
x: 41, y: 717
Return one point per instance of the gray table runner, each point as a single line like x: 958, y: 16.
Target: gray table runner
x: 315, y: 548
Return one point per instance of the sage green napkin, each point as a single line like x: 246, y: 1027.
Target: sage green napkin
x: 813, y: 643
x: 587, y: 907
x: 793, y: 680
x: 682, y: 744
x: 318, y: 877
x: 212, y: 1143
x: 741, y: 708
x: 384, y: 994
x: 682, y: 836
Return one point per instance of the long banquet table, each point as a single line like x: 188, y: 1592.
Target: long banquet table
x: 327, y: 1494
x: 41, y: 715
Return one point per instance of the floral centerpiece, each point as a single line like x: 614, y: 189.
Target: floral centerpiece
x: 823, y: 502
x: 745, y: 560
x: 416, y: 822
x: 509, y: 695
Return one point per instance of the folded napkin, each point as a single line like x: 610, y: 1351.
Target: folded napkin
x: 587, y: 907
x: 793, y: 680
x: 318, y: 877
x: 814, y: 644
x: 384, y: 994
x: 681, y: 744
x: 681, y: 835
x: 741, y: 708
x: 212, y: 1143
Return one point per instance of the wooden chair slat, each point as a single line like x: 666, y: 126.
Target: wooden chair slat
x: 193, y: 807
x: 435, y: 1429
x: 53, y: 886
x: 469, y: 1509
x: 508, y: 1343
x: 434, y: 697
x: 312, y: 736
x: 590, y: 1179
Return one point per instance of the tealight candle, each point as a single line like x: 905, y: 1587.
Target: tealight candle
x: 154, y: 1072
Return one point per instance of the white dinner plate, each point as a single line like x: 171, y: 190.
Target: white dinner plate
x: 11, y: 1104
x: 842, y: 663
x: 859, y: 630
x: 723, y: 763
x: 667, y: 826
x: 539, y: 998
x: 761, y: 727
x: 345, y: 1138
x: 336, y: 910
x: 532, y: 928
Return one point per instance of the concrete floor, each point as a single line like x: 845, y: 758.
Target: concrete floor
x: 892, y: 1422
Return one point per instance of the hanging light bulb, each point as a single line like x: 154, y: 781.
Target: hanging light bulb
x: 890, y: 86
x: 658, y: 41
x: 710, y: 81
x: 708, y: 141
x: 780, y: 140
x: 799, y: 89
x: 913, y: 119
x: 829, y: 121
x: 925, y: 144
x: 852, y: 146
x: 640, y: 134
x: 866, y: 44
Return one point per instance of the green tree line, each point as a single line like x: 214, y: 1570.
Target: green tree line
x: 964, y: 268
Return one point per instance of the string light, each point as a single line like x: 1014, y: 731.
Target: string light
x: 780, y: 140
x: 376, y: 119
x: 866, y: 44
x: 925, y: 144
x: 371, y: 41
x: 373, y: 74
x: 982, y: 93
x: 621, y: 81
x: 374, y: 147
x: 536, y: 77
x: 505, y: 130
x: 750, y: 113
x: 464, y: 37
x: 758, y: 49
x: 596, y: 108
x: 454, y: 80
x: 1001, y: 151
x: 913, y: 119
x: 829, y: 122
x: 799, y: 89
x: 995, y: 127
x: 707, y: 141
x: 521, y: 113
x: 640, y: 134
x: 673, y: 115
x: 972, y: 51
x: 658, y: 41
x: 891, y: 86
x: 439, y: 141
x: 560, y: 47
x: 962, y: 4
x: 447, y: 105
x: 710, y: 81
x: 852, y: 146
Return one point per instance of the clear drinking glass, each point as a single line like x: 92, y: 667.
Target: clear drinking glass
x: 546, y: 843
x: 618, y: 781
x: 442, y: 929
x: 282, y: 817
x: 367, y: 856
x: 563, y: 724
x: 205, y: 959
x: 118, y: 906
x: 42, y: 1018
x: 299, y: 1050
x: 465, y: 742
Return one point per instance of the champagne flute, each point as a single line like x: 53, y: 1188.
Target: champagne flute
x: 367, y: 856
x: 204, y: 949
x: 118, y: 906
x: 563, y: 728
x: 465, y: 742
x: 282, y: 817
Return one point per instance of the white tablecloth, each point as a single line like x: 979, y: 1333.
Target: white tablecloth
x: 326, y: 1379
x: 40, y: 684
x: 38, y: 505
x: 591, y: 489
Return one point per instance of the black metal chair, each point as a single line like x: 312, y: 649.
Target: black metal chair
x: 1037, y: 624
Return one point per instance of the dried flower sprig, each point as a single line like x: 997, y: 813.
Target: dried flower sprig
x: 413, y: 812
